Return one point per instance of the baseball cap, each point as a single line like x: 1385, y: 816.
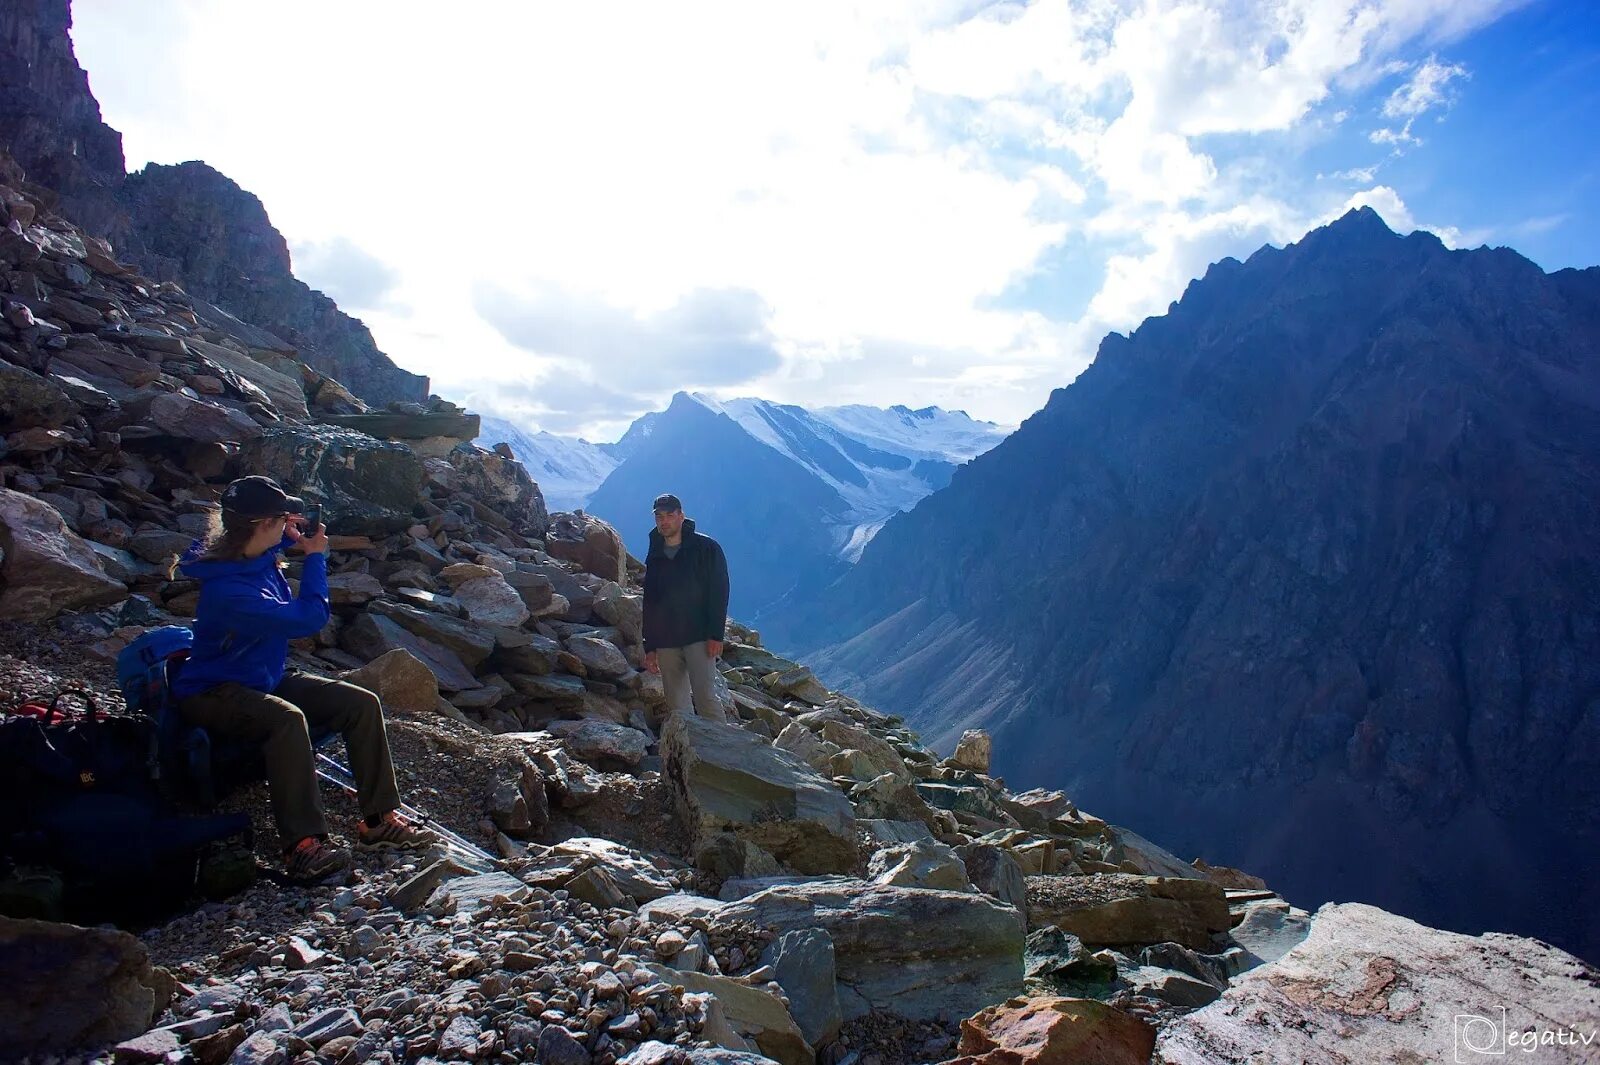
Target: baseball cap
x: 260, y: 497
x: 667, y: 502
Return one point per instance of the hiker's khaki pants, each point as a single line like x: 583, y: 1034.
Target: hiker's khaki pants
x: 279, y: 722
x: 686, y: 674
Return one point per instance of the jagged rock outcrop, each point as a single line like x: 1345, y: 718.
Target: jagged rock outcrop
x: 185, y: 223
x: 1384, y: 988
x: 1317, y: 541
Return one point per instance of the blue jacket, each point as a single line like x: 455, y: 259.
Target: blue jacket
x: 246, y: 618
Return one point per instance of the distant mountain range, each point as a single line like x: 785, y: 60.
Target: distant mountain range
x: 1302, y: 575
x: 792, y: 494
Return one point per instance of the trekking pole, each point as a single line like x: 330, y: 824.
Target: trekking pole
x: 340, y: 777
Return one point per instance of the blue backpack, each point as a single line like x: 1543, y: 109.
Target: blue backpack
x: 145, y: 668
x: 145, y: 671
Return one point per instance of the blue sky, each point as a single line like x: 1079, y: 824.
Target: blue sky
x: 564, y: 213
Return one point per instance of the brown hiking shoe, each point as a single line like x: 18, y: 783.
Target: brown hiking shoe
x: 314, y: 858
x: 393, y: 833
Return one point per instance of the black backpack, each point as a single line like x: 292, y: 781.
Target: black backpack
x: 81, y: 790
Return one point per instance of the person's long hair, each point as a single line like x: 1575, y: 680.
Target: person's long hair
x: 227, y: 537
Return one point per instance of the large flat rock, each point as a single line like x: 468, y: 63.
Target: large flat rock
x: 913, y: 952
x: 725, y: 779
x: 1123, y: 908
x: 1369, y: 986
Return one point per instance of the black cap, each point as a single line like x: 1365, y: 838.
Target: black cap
x: 667, y: 502
x: 260, y: 497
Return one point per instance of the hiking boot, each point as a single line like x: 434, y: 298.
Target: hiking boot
x: 393, y: 833
x: 314, y: 858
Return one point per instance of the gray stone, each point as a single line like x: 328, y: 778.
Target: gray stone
x: 725, y: 779
x: 67, y: 988
x: 195, y: 419
x: 995, y: 872
x: 593, y: 740
x: 473, y: 893
x: 803, y: 964
x: 908, y: 951
x: 926, y: 863
x: 491, y: 601
x: 1267, y: 933
x: 557, y: 1047
x: 371, y: 635
x: 46, y: 567
x: 1118, y: 908
x: 328, y: 1025
x: 459, y: 1042
x: 601, y: 658
x: 974, y: 750
x: 676, y: 908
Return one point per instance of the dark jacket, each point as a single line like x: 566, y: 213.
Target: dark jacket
x: 685, y: 597
x: 246, y: 618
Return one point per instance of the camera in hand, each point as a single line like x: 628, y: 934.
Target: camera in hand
x: 313, y: 519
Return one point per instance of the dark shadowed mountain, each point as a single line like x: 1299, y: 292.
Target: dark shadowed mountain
x: 185, y: 223
x: 792, y: 494
x: 1303, y: 576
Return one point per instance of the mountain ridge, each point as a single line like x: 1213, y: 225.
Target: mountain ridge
x: 1302, y: 512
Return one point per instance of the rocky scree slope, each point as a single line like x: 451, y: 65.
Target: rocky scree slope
x: 1302, y: 572
x: 185, y: 223
x: 803, y: 881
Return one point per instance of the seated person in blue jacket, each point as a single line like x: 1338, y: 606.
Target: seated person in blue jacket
x: 235, y: 684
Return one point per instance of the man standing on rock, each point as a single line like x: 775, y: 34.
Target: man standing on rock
x: 685, y: 609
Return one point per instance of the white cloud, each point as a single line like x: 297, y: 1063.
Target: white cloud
x: 884, y: 182
x: 1427, y: 89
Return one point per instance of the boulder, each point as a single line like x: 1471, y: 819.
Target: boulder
x: 725, y: 779
x: 631, y: 871
x: 1054, y: 1031
x: 593, y: 544
x: 878, y: 751
x: 353, y: 589
x: 995, y: 872
x: 1367, y: 985
x: 1123, y: 908
x: 1047, y: 804
x: 29, y: 400
x: 367, y: 486
x: 913, y: 952
x: 1268, y: 932
x: 621, y: 609
x: 491, y: 601
x: 371, y: 635
x: 1149, y: 858
x: 802, y: 963
x: 593, y: 740
x: 469, y: 642
x: 1052, y: 954
x: 401, y: 680
x: 600, y: 658
x: 756, y: 1015
x: 45, y: 567
x: 925, y: 863
x: 503, y: 484
x: 807, y: 746
x: 973, y: 750
x: 799, y: 683
x: 195, y: 419
x: 69, y: 988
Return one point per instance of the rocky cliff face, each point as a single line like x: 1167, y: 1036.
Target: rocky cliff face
x: 182, y: 223
x: 1303, y: 570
